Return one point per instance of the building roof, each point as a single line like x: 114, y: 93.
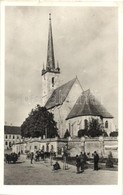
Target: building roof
x: 88, y: 105
x: 50, y: 64
x: 59, y: 95
x: 12, y: 130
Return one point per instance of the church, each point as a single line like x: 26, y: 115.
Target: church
x: 72, y: 106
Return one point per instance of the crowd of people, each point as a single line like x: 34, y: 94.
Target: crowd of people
x: 39, y: 155
x: 81, y: 161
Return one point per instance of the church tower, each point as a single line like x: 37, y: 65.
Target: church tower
x: 50, y: 73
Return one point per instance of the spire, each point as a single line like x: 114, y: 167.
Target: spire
x: 50, y: 50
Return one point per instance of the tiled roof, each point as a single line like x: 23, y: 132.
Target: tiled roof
x: 88, y: 105
x: 12, y: 130
x: 59, y: 95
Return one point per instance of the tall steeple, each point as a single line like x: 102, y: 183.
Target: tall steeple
x: 50, y: 63
x: 50, y: 72
x: 50, y: 50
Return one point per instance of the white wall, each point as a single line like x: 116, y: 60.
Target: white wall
x: 61, y: 112
x: 47, y: 87
x: 11, y: 138
x: 75, y: 124
x: 111, y: 126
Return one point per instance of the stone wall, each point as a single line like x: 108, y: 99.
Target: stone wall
x: 102, y: 145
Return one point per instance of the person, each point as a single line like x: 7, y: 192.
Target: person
x: 31, y: 156
x: 56, y: 166
x: 82, y: 159
x: 19, y: 154
x: 78, y: 163
x: 96, y: 160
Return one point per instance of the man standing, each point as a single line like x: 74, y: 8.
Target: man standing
x: 31, y: 156
x: 96, y: 160
x: 82, y: 159
x: 77, y: 163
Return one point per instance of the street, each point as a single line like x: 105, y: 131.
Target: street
x: 41, y: 173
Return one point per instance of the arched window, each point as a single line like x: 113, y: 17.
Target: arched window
x: 6, y: 136
x: 85, y: 124
x: 13, y: 137
x: 10, y: 144
x: 106, y: 124
x: 52, y: 81
x: 6, y: 143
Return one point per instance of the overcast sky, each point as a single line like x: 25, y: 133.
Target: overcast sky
x: 85, y: 44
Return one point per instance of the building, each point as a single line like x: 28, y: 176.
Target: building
x: 73, y: 108
x: 12, y: 135
x: 86, y: 107
x: 71, y: 105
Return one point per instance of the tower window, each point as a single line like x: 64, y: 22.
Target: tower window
x: 106, y: 124
x: 52, y: 81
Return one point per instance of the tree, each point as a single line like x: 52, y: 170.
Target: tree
x: 38, y: 123
x: 67, y: 134
x: 95, y: 128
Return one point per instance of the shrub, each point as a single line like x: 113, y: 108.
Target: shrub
x: 109, y: 162
x: 82, y: 132
x: 67, y: 134
x: 114, y: 134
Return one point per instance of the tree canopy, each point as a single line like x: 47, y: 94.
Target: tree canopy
x: 39, y: 122
x: 94, y: 129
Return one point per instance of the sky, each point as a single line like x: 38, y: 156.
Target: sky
x: 85, y: 44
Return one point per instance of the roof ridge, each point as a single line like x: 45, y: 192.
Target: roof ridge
x: 65, y: 83
x: 60, y: 94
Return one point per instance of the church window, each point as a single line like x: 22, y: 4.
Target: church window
x: 106, y: 124
x: 52, y: 81
x: 85, y: 124
x: 9, y: 144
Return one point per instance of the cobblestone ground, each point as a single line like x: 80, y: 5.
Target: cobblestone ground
x: 40, y: 173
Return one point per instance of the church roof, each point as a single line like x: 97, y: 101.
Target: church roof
x: 12, y: 130
x: 50, y: 64
x: 59, y: 95
x: 88, y: 105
